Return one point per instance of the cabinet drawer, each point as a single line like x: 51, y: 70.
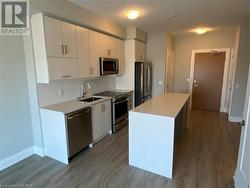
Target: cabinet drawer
x: 61, y: 68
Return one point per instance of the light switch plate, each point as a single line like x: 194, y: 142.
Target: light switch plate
x: 160, y: 82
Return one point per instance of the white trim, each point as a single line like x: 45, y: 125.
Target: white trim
x: 39, y: 151
x: 234, y: 119
x: 239, y: 179
x: 223, y: 106
x: 9, y: 161
x: 5, y: 163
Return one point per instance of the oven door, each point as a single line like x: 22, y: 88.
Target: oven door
x: 120, y: 110
x: 109, y: 66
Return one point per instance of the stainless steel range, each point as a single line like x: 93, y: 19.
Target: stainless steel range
x: 119, y: 109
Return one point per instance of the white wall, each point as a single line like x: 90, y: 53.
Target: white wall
x: 183, y: 46
x: 156, y: 53
x: 15, y: 123
x: 48, y: 93
x: 18, y: 96
x: 241, y: 72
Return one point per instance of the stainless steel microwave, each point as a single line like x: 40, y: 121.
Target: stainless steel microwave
x: 109, y: 66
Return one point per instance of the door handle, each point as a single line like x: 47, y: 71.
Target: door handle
x: 195, y: 85
x: 242, y: 123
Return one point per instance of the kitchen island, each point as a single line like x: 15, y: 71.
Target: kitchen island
x: 154, y: 129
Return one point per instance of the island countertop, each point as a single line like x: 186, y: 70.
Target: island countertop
x: 168, y: 105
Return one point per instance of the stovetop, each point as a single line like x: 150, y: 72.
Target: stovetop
x: 112, y: 94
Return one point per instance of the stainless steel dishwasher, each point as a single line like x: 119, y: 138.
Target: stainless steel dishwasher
x: 79, y: 125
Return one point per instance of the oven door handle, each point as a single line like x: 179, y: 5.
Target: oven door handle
x: 121, y: 101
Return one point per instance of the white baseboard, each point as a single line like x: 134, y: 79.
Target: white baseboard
x: 239, y: 180
x: 5, y: 163
x: 39, y: 151
x: 9, y: 161
x: 235, y: 119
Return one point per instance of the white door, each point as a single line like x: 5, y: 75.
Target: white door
x: 106, y: 116
x: 94, y: 53
x: 242, y: 176
x: 69, y: 40
x: 120, y: 55
x: 53, y: 37
x: 83, y: 51
x: 97, y: 129
x: 140, y: 51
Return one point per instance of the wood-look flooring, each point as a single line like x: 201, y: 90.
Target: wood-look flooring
x: 205, y: 158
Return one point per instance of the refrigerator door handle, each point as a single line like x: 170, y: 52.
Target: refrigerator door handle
x: 142, y: 80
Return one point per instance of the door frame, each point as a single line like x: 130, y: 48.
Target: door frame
x: 223, y: 105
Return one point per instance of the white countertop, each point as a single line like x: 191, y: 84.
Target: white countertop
x: 73, y: 105
x: 168, y: 105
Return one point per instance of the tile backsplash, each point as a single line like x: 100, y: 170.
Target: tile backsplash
x: 70, y: 89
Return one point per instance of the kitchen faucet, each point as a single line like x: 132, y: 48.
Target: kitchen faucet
x: 83, y: 90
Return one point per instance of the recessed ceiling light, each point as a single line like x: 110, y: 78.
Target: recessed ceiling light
x: 173, y: 15
x: 132, y: 14
x: 201, y: 30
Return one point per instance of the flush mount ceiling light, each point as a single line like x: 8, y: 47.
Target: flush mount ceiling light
x: 132, y: 14
x: 201, y: 30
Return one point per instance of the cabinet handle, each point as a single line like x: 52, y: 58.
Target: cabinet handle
x: 66, y: 76
x: 62, y: 48
x: 66, y: 49
x: 109, y: 52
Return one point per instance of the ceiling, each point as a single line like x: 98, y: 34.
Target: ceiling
x: 156, y: 14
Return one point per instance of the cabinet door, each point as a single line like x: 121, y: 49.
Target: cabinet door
x: 106, y: 116
x: 62, y: 68
x: 53, y: 37
x: 111, y: 48
x: 94, y: 54
x: 97, y: 128
x: 103, y: 39
x: 83, y: 52
x: 107, y: 46
x: 69, y: 40
x: 140, y: 51
x: 120, y: 55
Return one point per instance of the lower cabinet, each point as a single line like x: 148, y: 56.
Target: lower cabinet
x: 101, y: 120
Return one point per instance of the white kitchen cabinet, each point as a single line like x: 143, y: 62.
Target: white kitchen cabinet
x: 120, y: 55
x: 140, y: 50
x: 94, y: 54
x: 53, y: 35
x: 83, y: 52
x: 101, y: 120
x: 108, y: 46
x: 69, y: 40
x: 55, y: 51
x: 60, y: 38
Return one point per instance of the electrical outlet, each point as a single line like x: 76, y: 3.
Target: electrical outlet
x: 60, y: 92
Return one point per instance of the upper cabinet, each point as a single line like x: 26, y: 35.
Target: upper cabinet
x: 83, y: 51
x: 55, y: 50
x: 60, y: 38
x: 63, y: 50
x: 107, y: 46
x: 140, y: 50
x: 94, y: 53
x: 120, y: 55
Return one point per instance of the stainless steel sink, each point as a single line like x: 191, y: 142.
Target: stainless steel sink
x: 90, y: 99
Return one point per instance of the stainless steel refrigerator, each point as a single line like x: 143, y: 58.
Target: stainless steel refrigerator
x: 143, y: 82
